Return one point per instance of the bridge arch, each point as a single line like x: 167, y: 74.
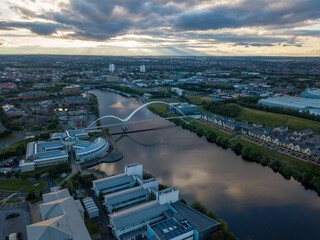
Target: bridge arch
x: 124, y: 120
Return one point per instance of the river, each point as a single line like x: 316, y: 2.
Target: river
x: 253, y: 199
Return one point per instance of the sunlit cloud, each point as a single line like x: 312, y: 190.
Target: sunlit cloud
x: 161, y: 27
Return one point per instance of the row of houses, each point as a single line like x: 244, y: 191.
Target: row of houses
x: 289, y: 141
x: 302, y: 142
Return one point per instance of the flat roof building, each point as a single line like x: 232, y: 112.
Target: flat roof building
x: 296, y: 103
x: 311, y: 93
x: 126, y: 198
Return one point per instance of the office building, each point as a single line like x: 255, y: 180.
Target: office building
x: 118, y: 182
x: 142, y: 68
x: 112, y: 67
x: 55, y: 151
x: 139, y: 211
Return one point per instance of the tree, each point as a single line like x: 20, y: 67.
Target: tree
x: 37, y: 176
x: 31, y: 196
x: 16, y: 174
x: 199, y: 207
x: 237, y: 148
x: 152, y: 196
x: 183, y: 201
x: 246, y: 151
x: 9, y: 174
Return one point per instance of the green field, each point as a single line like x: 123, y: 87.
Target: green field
x: 31, y: 187
x: 275, y: 119
x: 12, y: 184
x: 199, y: 99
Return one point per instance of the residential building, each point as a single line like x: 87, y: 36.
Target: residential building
x: 76, y: 100
x: 31, y: 95
x: 72, y: 89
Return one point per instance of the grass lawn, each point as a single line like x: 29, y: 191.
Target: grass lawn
x: 92, y: 226
x: 197, y: 100
x: 12, y: 184
x: 31, y: 187
x: 9, y: 137
x: 275, y: 119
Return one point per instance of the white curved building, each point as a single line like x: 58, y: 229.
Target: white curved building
x: 99, y: 148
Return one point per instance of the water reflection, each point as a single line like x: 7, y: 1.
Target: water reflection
x: 253, y: 199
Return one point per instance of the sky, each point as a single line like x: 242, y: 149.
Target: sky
x: 161, y: 27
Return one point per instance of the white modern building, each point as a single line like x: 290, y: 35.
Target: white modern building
x: 186, y: 108
x: 112, y: 67
x: 142, y: 68
x: 178, y: 91
x: 98, y: 149
x: 62, y: 218
x: 40, y: 153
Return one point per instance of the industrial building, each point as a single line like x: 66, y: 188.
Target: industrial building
x: 139, y: 211
x: 57, y: 150
x: 186, y: 108
x: 62, y: 218
x: 91, y: 207
x: 311, y: 93
x: 296, y: 103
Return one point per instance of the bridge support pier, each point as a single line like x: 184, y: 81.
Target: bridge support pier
x: 124, y: 128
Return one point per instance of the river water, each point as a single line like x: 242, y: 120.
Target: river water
x: 253, y: 199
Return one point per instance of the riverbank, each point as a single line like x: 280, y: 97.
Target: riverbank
x: 306, y: 173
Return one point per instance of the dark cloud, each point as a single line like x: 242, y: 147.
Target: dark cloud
x: 250, y: 13
x: 39, y: 28
x: 103, y: 19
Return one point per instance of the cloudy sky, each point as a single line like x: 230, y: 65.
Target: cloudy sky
x: 161, y: 27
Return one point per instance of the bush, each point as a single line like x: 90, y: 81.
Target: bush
x: 9, y: 174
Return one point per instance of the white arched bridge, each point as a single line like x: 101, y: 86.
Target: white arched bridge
x: 125, y: 121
